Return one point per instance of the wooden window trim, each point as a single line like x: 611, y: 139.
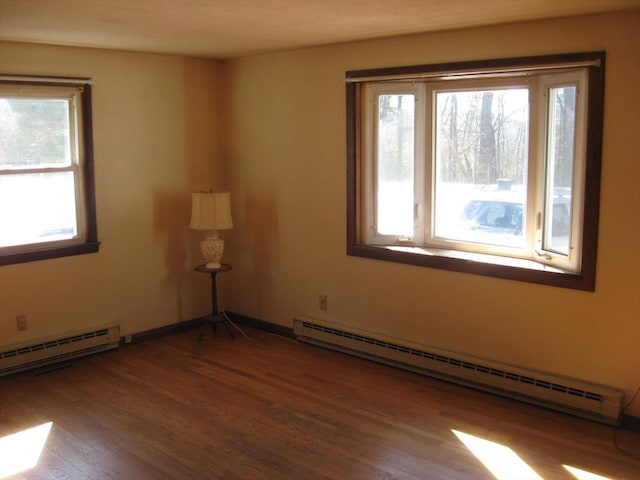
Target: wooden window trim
x: 90, y: 243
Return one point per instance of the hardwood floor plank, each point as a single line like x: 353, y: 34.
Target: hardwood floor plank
x: 175, y: 408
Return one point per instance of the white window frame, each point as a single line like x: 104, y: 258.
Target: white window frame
x: 516, y: 82
x: 77, y: 94
x: 535, y: 262
x: 373, y: 91
x: 571, y: 261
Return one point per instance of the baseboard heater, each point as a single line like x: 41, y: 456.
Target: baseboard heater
x: 588, y: 400
x: 25, y: 356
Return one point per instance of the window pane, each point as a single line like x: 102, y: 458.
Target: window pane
x: 38, y: 207
x: 481, y: 150
x: 561, y: 130
x: 394, y: 170
x: 34, y: 133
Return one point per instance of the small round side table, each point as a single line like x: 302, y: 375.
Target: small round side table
x: 214, y: 318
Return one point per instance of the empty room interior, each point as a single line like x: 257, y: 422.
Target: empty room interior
x: 431, y: 247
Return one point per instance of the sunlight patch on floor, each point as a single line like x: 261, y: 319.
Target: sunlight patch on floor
x: 583, y: 474
x: 21, y: 451
x: 501, y: 461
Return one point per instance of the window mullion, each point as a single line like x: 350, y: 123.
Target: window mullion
x: 421, y: 166
x: 537, y: 170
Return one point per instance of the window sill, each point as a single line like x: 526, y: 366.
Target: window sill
x: 47, y: 253
x: 478, y: 264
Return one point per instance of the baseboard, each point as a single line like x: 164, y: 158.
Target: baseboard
x: 189, y: 324
x: 261, y: 325
x: 630, y: 423
x: 160, y: 331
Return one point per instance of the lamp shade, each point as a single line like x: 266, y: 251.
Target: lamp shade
x: 211, y: 211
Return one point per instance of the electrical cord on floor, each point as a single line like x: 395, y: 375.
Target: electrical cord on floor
x: 617, y: 427
x: 246, y: 337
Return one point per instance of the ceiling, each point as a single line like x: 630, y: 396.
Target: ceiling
x: 233, y: 28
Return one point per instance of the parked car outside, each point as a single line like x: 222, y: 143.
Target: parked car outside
x: 493, y: 220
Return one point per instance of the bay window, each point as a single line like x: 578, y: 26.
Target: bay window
x: 485, y: 167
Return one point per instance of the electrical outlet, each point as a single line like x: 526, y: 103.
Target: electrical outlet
x: 322, y: 302
x: 127, y: 339
x: 21, y: 322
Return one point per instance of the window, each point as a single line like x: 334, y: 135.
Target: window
x: 488, y: 167
x: 47, y: 206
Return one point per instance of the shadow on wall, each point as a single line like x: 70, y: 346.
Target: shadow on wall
x: 261, y: 223
x: 171, y: 212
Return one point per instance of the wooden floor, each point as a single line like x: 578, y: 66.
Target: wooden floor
x: 175, y: 408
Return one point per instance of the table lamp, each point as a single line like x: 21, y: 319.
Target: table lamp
x: 211, y: 212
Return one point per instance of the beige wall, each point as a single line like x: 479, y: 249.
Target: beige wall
x: 161, y: 123
x: 287, y: 170
x: 155, y: 122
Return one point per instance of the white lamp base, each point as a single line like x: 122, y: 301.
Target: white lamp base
x: 212, y: 248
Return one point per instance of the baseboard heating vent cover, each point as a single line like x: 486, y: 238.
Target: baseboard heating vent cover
x: 569, y: 395
x: 19, y: 357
